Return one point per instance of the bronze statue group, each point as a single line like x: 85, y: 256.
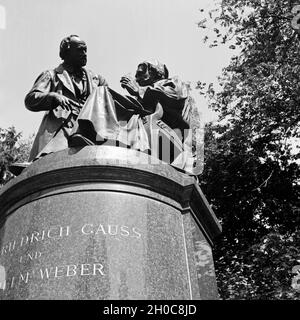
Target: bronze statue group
x: 81, y: 109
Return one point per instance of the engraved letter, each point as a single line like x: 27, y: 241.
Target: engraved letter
x: 100, y: 228
x: 30, y: 256
x: 84, y: 229
x: 85, y: 267
x: 110, y: 228
x: 22, y: 241
x: 67, y: 231
x: 12, y: 282
x: 124, y: 232
x: 11, y: 246
x: 49, y: 233
x: 45, y: 272
x: 34, y: 235
x: 98, y: 267
x: 56, y: 275
x: 37, y: 255
x: 71, y: 268
x: 24, y: 278
x: 138, y: 235
x: 43, y: 235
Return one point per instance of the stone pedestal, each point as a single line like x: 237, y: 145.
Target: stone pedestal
x: 105, y: 223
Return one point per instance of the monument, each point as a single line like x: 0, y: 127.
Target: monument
x: 102, y: 212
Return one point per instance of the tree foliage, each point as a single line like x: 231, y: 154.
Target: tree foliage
x: 12, y: 149
x: 251, y: 173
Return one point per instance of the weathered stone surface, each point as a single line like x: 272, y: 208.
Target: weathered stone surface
x: 105, y: 223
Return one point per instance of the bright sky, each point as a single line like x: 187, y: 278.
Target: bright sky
x: 119, y: 35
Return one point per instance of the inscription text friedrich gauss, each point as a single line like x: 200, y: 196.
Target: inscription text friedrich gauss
x: 58, y: 271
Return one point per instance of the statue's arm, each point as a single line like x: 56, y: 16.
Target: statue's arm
x: 40, y: 97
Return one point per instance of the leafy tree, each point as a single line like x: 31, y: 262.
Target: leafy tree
x: 12, y: 149
x: 251, y: 173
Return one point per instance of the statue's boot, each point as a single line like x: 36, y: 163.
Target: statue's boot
x: 78, y: 140
x: 17, y: 167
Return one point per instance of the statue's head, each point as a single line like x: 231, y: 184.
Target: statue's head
x: 73, y: 51
x: 149, y: 72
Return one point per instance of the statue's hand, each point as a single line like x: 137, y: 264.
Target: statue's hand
x: 130, y: 85
x: 62, y: 101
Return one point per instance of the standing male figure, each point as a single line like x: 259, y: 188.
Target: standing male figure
x: 61, y: 93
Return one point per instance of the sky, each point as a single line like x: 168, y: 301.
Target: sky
x: 119, y: 35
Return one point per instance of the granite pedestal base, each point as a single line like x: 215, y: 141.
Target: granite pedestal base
x: 103, y: 222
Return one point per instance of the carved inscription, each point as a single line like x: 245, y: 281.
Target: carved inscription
x: 113, y: 230
x: 19, y: 250
x: 53, y: 233
x: 51, y: 273
x: 60, y: 232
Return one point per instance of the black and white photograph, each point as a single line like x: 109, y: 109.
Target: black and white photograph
x: 149, y: 153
